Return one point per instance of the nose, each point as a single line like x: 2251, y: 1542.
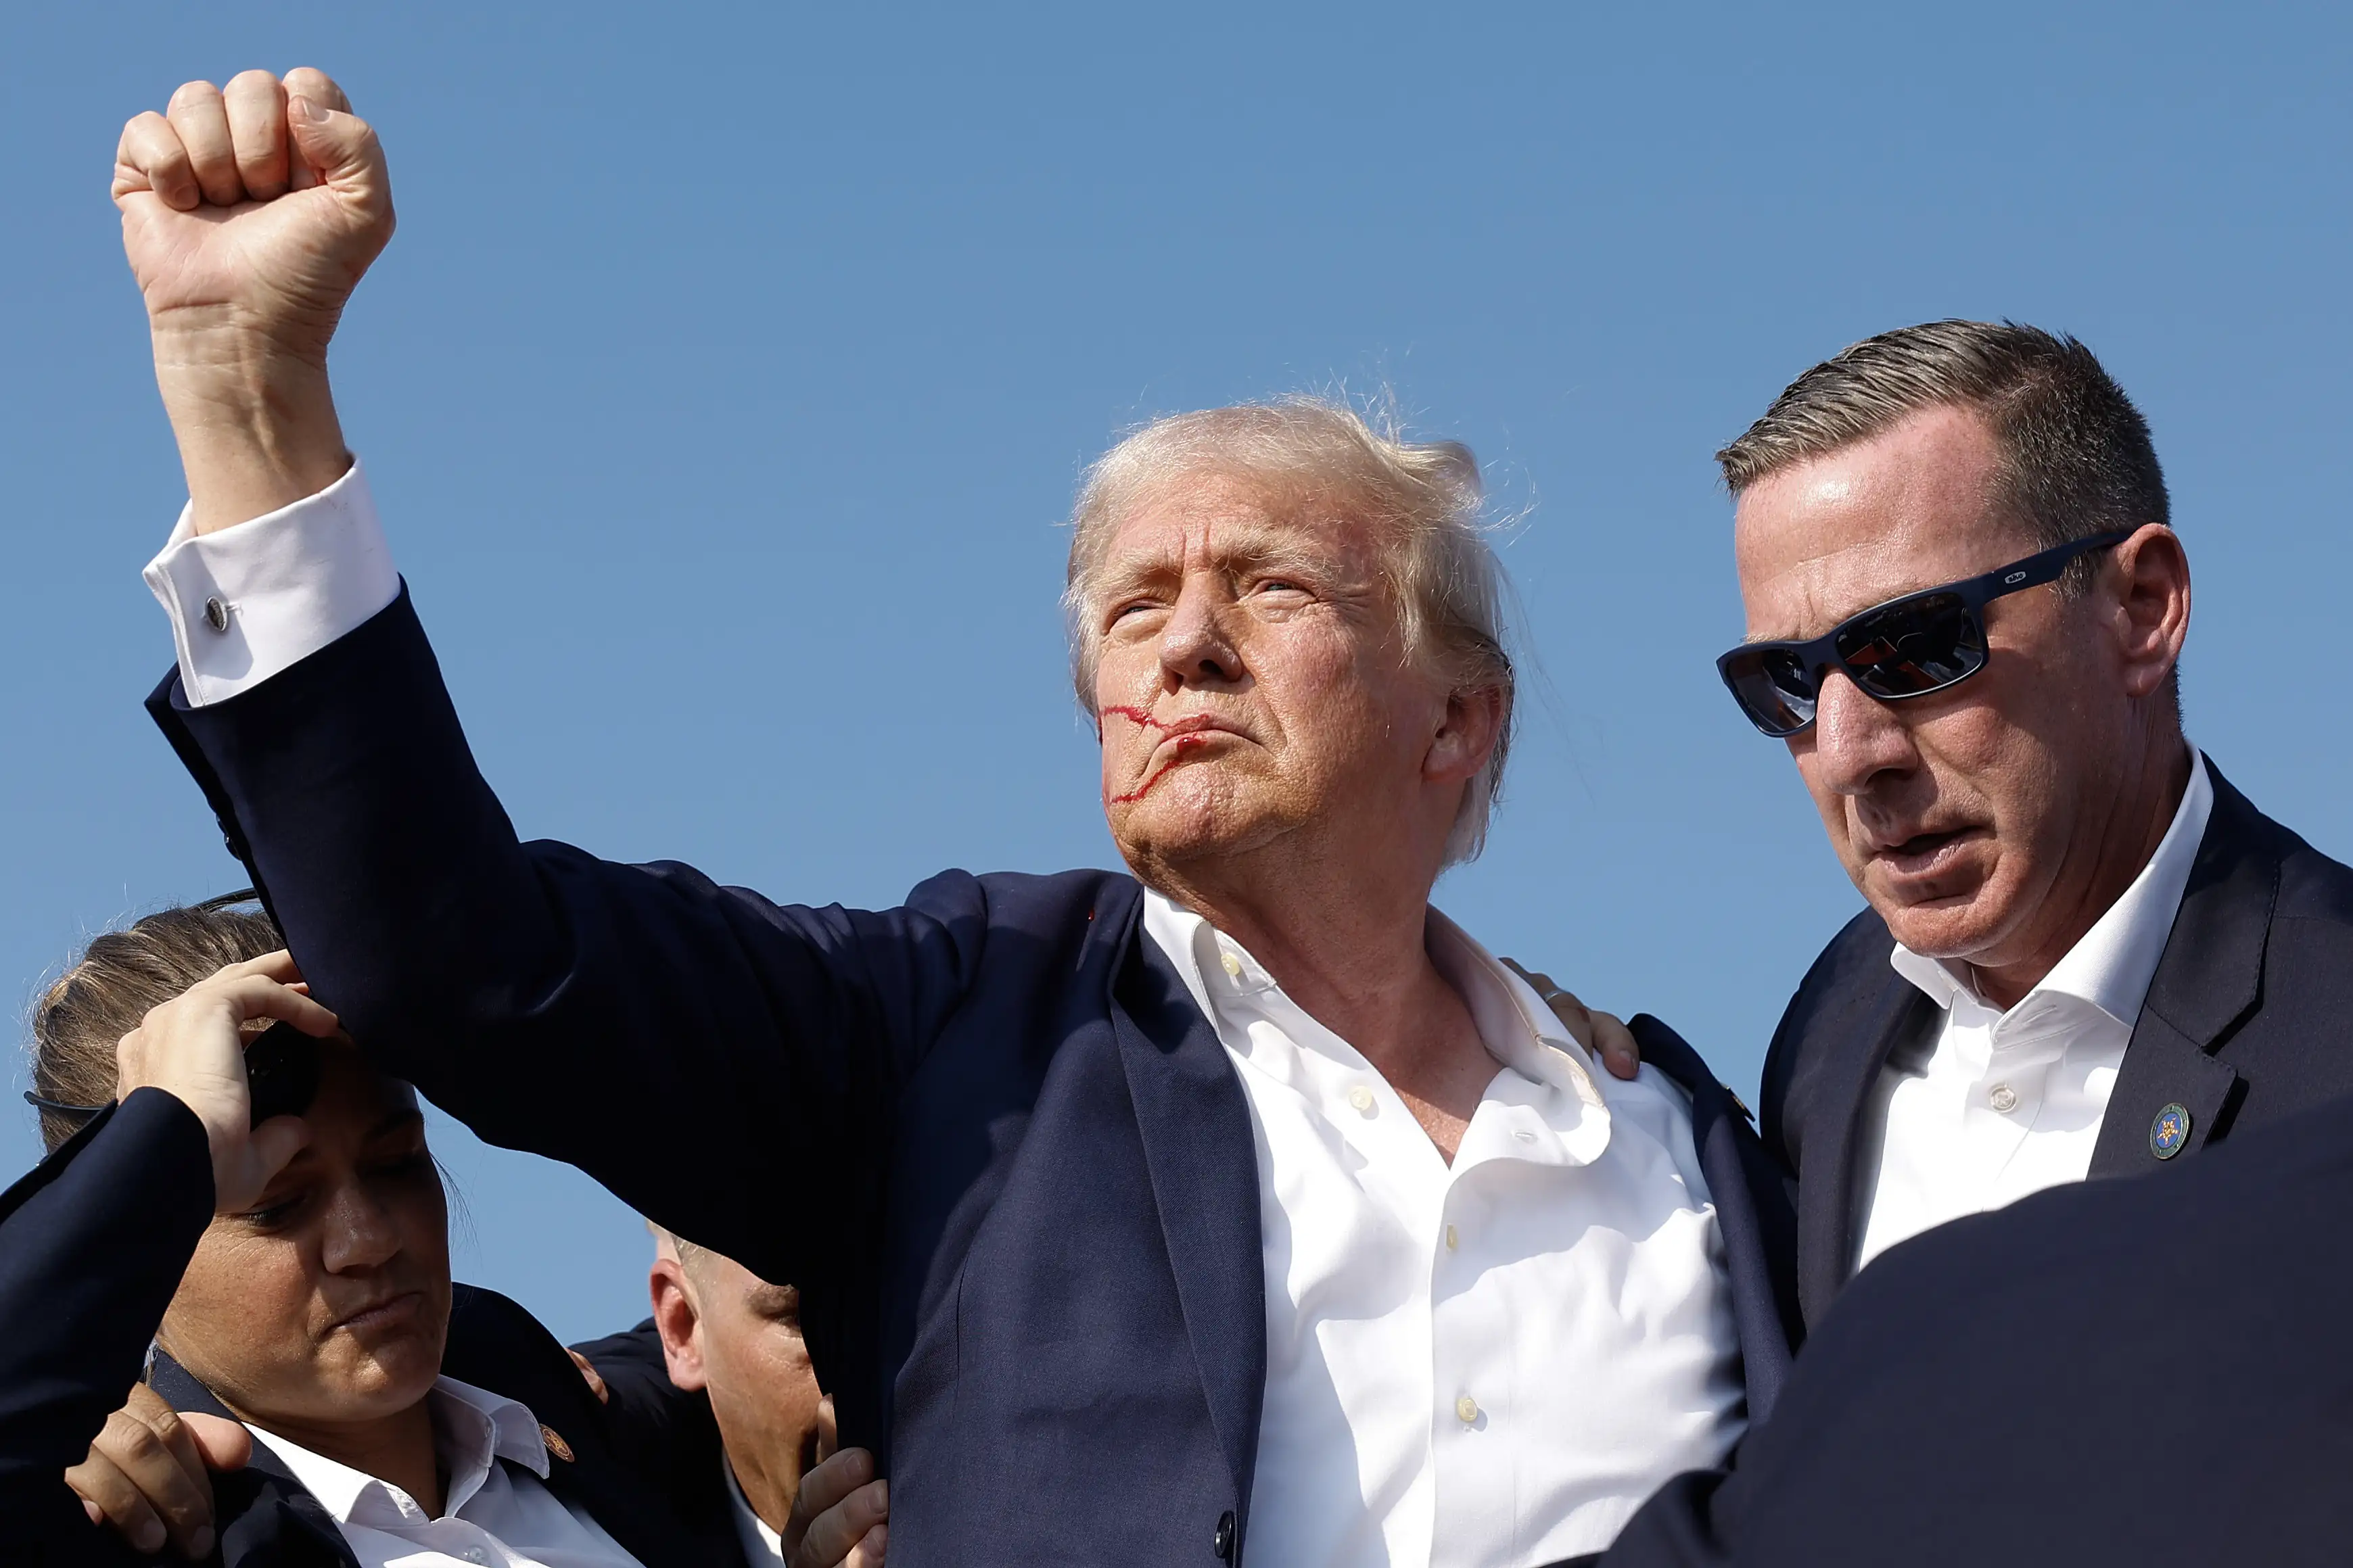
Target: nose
x: 1856, y: 739
x: 1196, y: 648
x: 360, y: 1232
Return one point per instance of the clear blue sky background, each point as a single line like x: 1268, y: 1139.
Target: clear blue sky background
x: 733, y: 367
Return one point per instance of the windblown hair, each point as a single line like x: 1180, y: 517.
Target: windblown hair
x: 1424, y: 499
x: 2076, y: 454
x: 108, y: 990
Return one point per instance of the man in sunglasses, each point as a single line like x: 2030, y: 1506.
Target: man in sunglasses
x: 2085, y: 953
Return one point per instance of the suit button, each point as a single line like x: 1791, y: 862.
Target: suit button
x: 1222, y: 1542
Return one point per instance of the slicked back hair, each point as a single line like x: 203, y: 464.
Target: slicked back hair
x: 1425, y: 499
x: 2076, y: 454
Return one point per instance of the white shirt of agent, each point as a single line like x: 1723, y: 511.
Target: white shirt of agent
x: 1489, y: 1364
x: 2008, y: 1103
x: 762, y: 1545
x: 497, y: 1515
x: 1486, y: 1365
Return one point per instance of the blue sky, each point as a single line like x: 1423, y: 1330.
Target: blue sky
x: 734, y: 366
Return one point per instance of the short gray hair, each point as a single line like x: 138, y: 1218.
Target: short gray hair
x: 2077, y: 456
x: 1424, y: 497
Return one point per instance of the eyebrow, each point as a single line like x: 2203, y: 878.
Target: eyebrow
x: 1235, y: 545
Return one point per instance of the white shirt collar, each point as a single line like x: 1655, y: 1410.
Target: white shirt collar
x: 473, y: 1428
x: 760, y: 1544
x: 1513, y: 1023
x: 2113, y: 964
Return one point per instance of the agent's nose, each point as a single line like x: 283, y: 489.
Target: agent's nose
x: 1856, y: 739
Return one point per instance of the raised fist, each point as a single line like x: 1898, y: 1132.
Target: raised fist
x: 252, y: 211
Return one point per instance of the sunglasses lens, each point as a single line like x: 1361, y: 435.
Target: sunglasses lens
x: 1773, y: 688
x: 1912, y: 646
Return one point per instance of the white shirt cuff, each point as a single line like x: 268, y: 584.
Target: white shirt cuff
x: 251, y: 600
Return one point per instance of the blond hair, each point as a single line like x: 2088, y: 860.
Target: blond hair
x: 1424, y: 499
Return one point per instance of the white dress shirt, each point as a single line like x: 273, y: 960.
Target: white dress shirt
x: 1490, y: 1363
x: 495, y: 1514
x: 2008, y: 1103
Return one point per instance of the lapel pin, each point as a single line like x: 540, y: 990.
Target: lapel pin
x: 2168, y: 1133
x: 555, y: 1443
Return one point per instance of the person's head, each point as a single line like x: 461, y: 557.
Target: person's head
x: 1286, y: 620
x: 733, y: 1335
x: 1990, y: 821
x: 327, y: 1303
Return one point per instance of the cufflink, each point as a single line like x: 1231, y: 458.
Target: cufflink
x: 555, y: 1443
x: 217, y: 614
x: 2168, y: 1133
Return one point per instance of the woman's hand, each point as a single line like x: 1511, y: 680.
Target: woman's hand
x: 149, y: 1473
x: 193, y: 1048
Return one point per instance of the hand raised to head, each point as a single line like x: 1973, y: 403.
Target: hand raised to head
x: 193, y: 1047
x: 253, y: 210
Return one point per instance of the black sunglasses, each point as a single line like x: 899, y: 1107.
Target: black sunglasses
x: 1907, y: 647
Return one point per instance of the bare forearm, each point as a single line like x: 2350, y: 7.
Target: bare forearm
x: 256, y: 424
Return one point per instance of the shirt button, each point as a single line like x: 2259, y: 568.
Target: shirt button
x: 2003, y: 1098
x: 1467, y: 1409
x: 1362, y: 1099
x: 217, y: 614
x: 1452, y: 1240
x: 1233, y: 966
x: 475, y: 1554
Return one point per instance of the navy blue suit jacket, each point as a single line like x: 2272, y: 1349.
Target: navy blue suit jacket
x: 2109, y: 1374
x: 987, y: 1134
x: 92, y: 1244
x: 2249, y: 1019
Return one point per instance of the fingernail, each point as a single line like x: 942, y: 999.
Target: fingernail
x: 200, y: 1544
x: 883, y: 1493
x: 148, y: 1537
x: 302, y: 108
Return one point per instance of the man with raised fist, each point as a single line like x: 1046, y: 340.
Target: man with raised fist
x: 1243, y: 1206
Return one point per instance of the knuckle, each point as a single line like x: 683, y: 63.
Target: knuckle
x: 189, y: 94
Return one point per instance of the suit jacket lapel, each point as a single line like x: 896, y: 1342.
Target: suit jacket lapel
x: 1203, y: 1159
x: 263, y: 1513
x: 2210, y: 977
x: 1894, y: 1012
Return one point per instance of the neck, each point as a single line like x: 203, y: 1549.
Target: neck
x: 771, y: 1490
x: 1345, y: 935
x: 397, y: 1448
x: 2145, y: 803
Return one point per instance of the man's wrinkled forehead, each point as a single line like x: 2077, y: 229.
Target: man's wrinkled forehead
x: 1235, y: 523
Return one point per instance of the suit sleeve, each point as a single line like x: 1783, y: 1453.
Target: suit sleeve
x: 92, y: 1244
x: 705, y: 1054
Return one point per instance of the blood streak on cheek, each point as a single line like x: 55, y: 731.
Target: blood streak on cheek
x: 1184, y: 744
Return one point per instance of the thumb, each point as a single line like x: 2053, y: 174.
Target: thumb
x: 340, y: 150
x: 828, y: 1435
x: 224, y: 1444
x: 240, y: 1175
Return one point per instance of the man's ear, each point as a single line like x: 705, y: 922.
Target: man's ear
x: 2151, y: 576
x: 678, y: 1323
x: 1466, y: 735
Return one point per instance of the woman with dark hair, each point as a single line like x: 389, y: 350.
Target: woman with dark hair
x: 232, y: 1183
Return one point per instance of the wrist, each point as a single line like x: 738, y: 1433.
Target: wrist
x: 255, y: 419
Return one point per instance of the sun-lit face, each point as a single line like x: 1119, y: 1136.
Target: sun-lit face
x: 1970, y: 816
x: 1253, y: 681
x: 327, y: 1303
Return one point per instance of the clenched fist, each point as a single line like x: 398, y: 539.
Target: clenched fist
x: 248, y: 215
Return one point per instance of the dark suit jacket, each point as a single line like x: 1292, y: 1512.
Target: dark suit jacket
x: 92, y: 1244
x: 987, y: 1134
x: 2249, y: 1019
x: 671, y: 1439
x: 2108, y: 1374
